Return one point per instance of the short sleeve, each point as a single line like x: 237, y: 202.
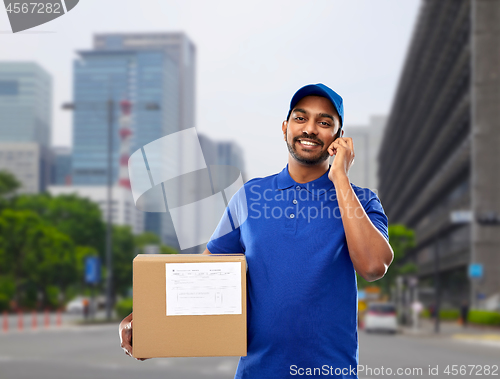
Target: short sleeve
x: 226, y: 238
x: 376, y: 213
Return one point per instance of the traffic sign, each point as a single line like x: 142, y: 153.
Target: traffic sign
x: 475, y: 270
x: 92, y: 270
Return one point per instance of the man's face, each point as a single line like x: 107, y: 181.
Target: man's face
x: 311, y: 128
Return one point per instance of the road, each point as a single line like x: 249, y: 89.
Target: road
x: 423, y: 352
x: 94, y: 352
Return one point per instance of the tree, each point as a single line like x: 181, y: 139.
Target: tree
x: 150, y: 238
x: 165, y: 249
x: 15, y: 229
x: 123, y: 255
x: 401, y: 240
x: 146, y: 238
x: 52, y: 259
x: 8, y: 183
x: 8, y: 186
x: 34, y: 253
x: 125, y: 247
x: 77, y: 217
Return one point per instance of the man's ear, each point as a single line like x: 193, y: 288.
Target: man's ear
x: 283, y: 128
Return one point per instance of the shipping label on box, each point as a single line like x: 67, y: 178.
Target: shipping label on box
x: 212, y: 288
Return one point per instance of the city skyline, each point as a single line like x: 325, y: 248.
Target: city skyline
x: 244, y: 81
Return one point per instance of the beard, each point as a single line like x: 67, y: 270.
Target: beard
x: 308, y: 160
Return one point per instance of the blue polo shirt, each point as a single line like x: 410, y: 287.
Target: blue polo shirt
x: 301, y: 283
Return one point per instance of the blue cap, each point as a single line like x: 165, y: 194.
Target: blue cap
x: 319, y: 90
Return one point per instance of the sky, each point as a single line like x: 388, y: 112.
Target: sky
x: 251, y: 58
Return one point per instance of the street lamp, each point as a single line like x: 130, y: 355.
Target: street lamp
x: 110, y: 105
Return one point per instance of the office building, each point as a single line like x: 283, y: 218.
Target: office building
x: 25, y: 103
x: 178, y: 47
x: 61, y: 166
x: 144, y: 78
x: 25, y: 123
x: 155, y: 71
x: 29, y: 162
x: 230, y: 153
x: 366, y: 140
x: 439, y: 161
x: 217, y: 154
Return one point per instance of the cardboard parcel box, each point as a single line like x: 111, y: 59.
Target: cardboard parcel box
x: 189, y: 305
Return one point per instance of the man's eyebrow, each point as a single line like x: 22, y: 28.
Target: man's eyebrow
x: 326, y: 115
x: 319, y: 114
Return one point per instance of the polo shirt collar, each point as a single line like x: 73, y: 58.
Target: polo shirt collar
x: 323, y: 183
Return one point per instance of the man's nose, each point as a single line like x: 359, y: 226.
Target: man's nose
x: 310, y: 127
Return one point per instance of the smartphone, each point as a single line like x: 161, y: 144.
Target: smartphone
x: 338, y: 133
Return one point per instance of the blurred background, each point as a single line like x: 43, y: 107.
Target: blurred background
x: 420, y: 81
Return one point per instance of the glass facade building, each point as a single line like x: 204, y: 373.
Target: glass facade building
x: 25, y: 123
x: 25, y: 103
x: 144, y: 78
x: 146, y: 69
x: 61, y: 166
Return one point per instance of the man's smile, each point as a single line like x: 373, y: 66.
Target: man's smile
x: 308, y: 144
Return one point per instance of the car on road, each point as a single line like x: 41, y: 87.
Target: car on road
x: 381, y: 317
x: 77, y: 305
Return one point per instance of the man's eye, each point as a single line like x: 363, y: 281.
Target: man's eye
x: 324, y: 123
x: 299, y: 118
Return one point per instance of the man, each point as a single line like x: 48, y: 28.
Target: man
x: 304, y: 233
x: 464, y: 312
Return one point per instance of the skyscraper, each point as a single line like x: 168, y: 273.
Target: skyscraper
x: 219, y: 153
x: 25, y: 103
x: 153, y: 71
x: 25, y: 123
x: 178, y: 47
x: 367, y: 140
x: 145, y: 77
x: 61, y: 165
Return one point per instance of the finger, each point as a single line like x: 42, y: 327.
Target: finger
x: 125, y: 340
x: 342, y: 145
x: 348, y: 145
x: 349, y: 142
x: 127, y: 352
x: 127, y: 347
x: 127, y: 333
x: 338, y: 145
x: 331, y: 149
x: 341, y: 141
